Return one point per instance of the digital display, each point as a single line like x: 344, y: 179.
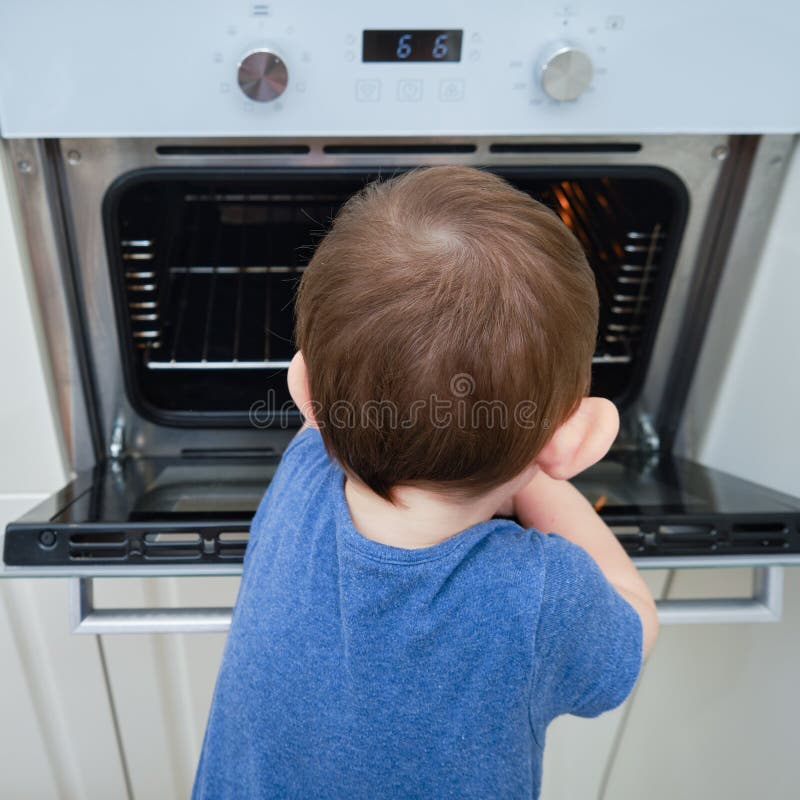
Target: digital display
x: 412, y: 46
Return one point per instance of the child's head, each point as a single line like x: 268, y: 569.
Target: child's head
x: 447, y: 323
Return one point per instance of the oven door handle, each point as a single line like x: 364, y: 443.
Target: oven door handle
x: 765, y: 605
x: 85, y: 618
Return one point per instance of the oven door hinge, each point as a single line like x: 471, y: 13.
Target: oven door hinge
x: 116, y: 447
x: 647, y: 438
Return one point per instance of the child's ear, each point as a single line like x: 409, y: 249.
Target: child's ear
x: 582, y: 440
x: 297, y: 378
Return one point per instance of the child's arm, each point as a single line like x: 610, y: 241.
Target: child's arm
x: 551, y: 505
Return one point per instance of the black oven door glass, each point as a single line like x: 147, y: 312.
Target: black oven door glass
x: 198, y: 510
x: 205, y: 265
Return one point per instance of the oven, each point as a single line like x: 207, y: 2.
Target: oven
x: 169, y: 224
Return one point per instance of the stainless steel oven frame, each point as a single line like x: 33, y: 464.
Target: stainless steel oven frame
x: 732, y: 181
x: 61, y: 190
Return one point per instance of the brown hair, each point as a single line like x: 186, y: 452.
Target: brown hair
x: 445, y: 290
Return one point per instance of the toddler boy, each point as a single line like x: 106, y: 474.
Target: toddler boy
x: 393, y: 637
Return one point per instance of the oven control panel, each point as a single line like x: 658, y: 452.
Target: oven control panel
x: 311, y: 67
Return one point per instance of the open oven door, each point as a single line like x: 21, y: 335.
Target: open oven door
x: 662, y: 506
x: 196, y: 510
x: 190, y: 516
x: 191, y: 512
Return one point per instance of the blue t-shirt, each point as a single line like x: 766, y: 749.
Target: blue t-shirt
x: 358, y: 670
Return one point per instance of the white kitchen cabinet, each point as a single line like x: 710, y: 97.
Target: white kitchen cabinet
x: 162, y: 684
x: 716, y: 712
x: 57, y: 730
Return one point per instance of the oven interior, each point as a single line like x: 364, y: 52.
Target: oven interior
x: 205, y: 265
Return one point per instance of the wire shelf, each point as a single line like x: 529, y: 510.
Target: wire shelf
x: 211, y: 272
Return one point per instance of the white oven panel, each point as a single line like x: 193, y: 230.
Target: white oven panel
x: 549, y: 67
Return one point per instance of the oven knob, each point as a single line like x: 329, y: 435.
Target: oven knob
x: 566, y: 72
x: 262, y: 75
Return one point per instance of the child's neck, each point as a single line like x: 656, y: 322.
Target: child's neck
x: 420, y: 518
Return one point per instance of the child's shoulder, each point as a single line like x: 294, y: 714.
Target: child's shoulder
x: 307, y: 439
x: 304, y: 469
x: 550, y: 553
x: 568, y: 571
x: 302, y: 459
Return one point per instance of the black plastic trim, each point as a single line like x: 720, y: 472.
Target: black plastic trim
x: 234, y: 150
x: 397, y: 149
x: 565, y: 147
x: 127, y: 542
x: 715, y: 534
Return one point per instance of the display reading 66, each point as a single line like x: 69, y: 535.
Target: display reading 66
x: 412, y: 45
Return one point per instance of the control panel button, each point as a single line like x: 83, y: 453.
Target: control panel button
x: 263, y: 75
x: 451, y: 90
x: 409, y: 91
x: 566, y: 72
x: 368, y: 90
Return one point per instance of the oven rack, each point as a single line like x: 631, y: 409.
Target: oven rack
x: 211, y: 300
x: 625, y: 262
x: 199, y: 289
